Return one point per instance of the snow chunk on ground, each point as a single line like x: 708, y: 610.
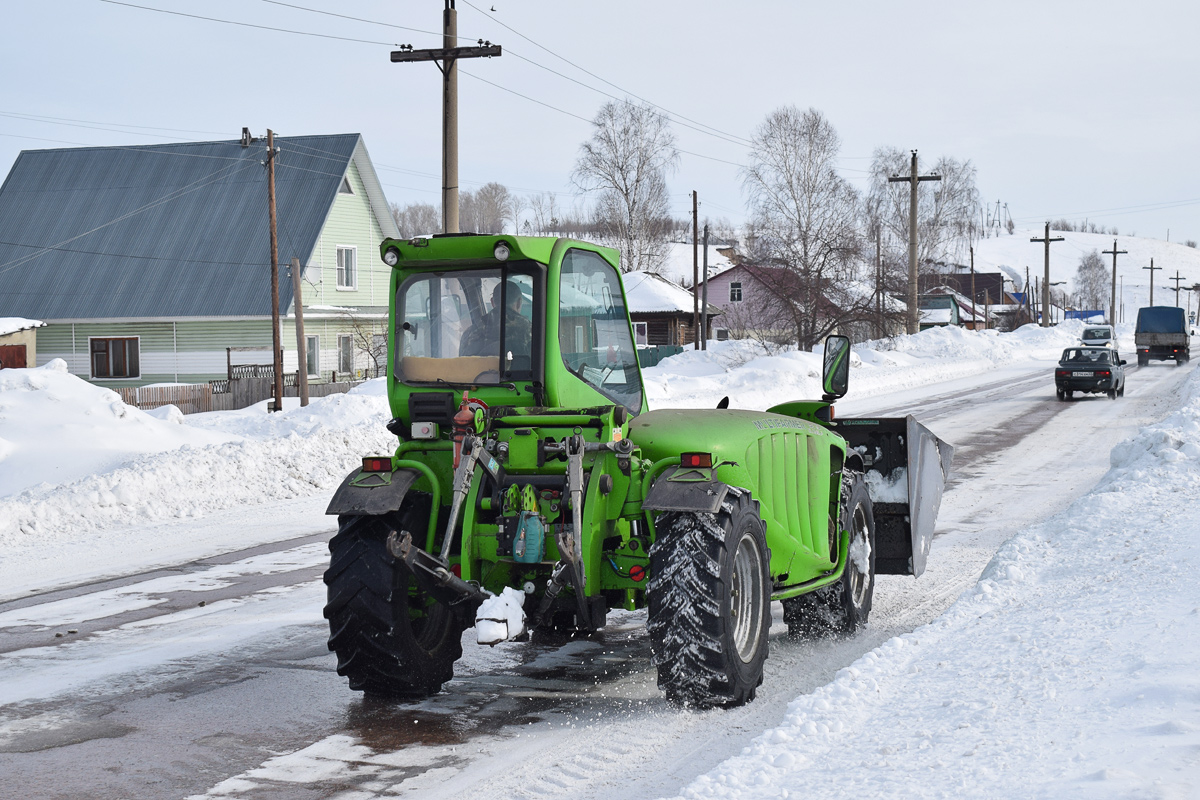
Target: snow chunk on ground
x: 501, y: 617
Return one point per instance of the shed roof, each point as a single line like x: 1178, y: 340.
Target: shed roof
x: 171, y: 230
x: 648, y: 293
x: 17, y: 324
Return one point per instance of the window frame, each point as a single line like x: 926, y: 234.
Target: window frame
x: 92, y: 358
x: 349, y: 344
x: 644, y: 327
x: 735, y: 286
x: 312, y: 353
x: 340, y: 269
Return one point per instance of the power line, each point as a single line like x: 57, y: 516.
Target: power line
x: 86, y: 122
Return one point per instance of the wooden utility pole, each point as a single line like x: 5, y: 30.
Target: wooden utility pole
x: 301, y: 342
x: 1178, y: 279
x: 987, y: 308
x: 695, y: 275
x: 704, y: 297
x: 913, y: 179
x: 446, y: 59
x: 1028, y: 297
x: 276, y: 345
x: 1046, y: 279
x: 974, y: 321
x: 1113, y: 306
x: 1152, y: 268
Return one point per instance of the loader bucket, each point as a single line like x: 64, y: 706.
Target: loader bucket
x: 906, y: 471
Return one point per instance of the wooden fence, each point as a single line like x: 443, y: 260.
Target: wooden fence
x: 223, y: 395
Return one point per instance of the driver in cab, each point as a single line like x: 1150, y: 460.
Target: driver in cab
x: 483, y: 338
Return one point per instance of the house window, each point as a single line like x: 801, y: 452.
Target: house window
x: 735, y: 292
x: 639, y: 333
x: 115, y: 358
x: 722, y: 334
x: 347, y: 272
x: 345, y: 187
x: 345, y: 354
x: 313, y: 354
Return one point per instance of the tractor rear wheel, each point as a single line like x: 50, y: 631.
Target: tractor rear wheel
x: 710, y: 603
x: 842, y: 607
x: 391, y: 638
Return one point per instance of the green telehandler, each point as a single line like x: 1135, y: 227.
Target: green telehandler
x: 532, y: 487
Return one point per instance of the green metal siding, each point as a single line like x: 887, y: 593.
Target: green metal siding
x: 350, y: 222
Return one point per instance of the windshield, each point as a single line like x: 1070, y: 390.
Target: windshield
x: 593, y: 329
x: 471, y: 327
x: 1097, y: 333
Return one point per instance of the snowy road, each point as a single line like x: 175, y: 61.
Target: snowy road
x: 213, y: 678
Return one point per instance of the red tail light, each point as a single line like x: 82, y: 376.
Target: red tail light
x: 1062, y: 373
x: 377, y: 464
x: 1103, y: 373
x: 695, y: 460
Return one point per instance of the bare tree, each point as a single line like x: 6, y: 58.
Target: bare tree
x: 1093, y: 281
x: 806, y: 219
x: 947, y: 210
x: 369, y: 337
x: 416, y: 219
x: 627, y: 161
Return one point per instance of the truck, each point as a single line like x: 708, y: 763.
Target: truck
x: 1162, y: 334
x: 533, y: 489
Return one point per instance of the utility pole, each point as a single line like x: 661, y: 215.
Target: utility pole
x: 913, y: 179
x: 301, y: 342
x: 1028, y: 297
x: 974, y: 322
x: 695, y: 276
x: 1178, y: 279
x: 1046, y: 279
x: 276, y: 346
x: 1113, y: 306
x: 1152, y: 268
x: 446, y: 59
x: 704, y: 298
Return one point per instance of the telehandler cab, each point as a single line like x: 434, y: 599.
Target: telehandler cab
x: 531, y: 472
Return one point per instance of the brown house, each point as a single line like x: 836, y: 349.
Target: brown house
x: 662, y: 312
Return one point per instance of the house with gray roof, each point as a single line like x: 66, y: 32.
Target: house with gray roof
x: 151, y: 263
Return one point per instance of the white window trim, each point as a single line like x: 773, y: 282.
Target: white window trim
x: 740, y: 290
x: 350, y: 338
x: 644, y: 329
x: 347, y: 183
x: 336, y: 248
x: 137, y: 377
x: 314, y: 351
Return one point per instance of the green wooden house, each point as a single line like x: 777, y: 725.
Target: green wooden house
x: 151, y: 263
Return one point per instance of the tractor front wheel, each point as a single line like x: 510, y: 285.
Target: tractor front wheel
x: 710, y: 603
x: 391, y: 639
x: 842, y: 607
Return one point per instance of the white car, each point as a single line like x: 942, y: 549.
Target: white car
x: 1098, y: 336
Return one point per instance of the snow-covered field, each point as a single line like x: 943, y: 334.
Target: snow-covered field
x: 1067, y: 670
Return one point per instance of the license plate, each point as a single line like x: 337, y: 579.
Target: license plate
x: 1081, y: 374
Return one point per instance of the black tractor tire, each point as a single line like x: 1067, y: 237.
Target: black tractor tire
x: 391, y: 639
x: 709, y: 596
x: 844, y: 606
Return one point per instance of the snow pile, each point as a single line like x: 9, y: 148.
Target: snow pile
x: 56, y: 427
x: 17, y: 324
x: 754, y: 378
x: 1059, y: 675
x: 116, y: 465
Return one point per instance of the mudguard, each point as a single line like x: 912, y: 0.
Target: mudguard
x: 372, y: 493
x: 686, y: 489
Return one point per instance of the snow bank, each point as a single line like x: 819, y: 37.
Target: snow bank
x: 115, y: 465
x: 754, y: 378
x: 1060, y: 675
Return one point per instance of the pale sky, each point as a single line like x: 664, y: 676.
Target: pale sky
x: 1068, y: 109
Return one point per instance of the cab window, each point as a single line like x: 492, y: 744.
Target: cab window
x: 470, y: 327
x: 593, y: 329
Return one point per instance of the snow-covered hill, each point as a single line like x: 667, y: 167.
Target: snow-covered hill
x: 1014, y: 253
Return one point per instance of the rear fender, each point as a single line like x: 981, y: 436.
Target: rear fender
x: 686, y: 489
x: 372, y: 493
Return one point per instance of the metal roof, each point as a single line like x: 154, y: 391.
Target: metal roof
x: 172, y: 230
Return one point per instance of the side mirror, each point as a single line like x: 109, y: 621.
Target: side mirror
x: 1122, y: 362
x: 835, y: 373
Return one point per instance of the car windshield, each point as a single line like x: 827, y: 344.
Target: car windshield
x: 469, y: 327
x: 1086, y: 356
x: 1097, y: 333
